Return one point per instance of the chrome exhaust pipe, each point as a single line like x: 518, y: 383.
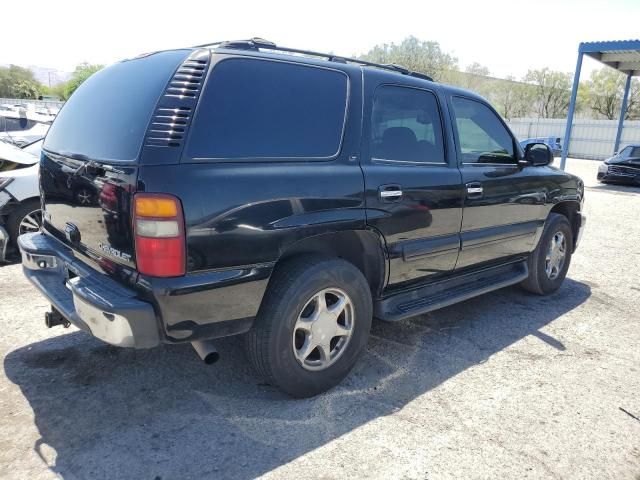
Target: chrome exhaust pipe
x: 206, y: 350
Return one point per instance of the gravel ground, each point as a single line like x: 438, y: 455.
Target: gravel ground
x: 507, y: 385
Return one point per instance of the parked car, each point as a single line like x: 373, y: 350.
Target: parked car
x: 19, y: 194
x: 27, y: 136
x: 289, y: 198
x: 552, y: 142
x: 623, y: 167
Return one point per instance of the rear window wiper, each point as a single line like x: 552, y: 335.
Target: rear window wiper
x: 89, y: 164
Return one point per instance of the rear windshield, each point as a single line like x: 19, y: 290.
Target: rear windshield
x: 266, y: 109
x: 106, y: 118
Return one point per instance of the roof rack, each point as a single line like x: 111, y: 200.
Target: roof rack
x: 260, y: 43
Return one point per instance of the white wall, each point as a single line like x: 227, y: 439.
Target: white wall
x: 589, y: 138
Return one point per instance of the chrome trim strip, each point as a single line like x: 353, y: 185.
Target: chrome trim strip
x: 408, y: 162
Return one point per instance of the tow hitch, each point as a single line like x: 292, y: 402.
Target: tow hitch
x: 55, y: 318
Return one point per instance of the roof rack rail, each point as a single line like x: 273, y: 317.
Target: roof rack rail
x: 257, y: 43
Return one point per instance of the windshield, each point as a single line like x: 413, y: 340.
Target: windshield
x: 106, y: 118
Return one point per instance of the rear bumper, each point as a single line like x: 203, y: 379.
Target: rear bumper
x: 197, y: 306
x: 90, y: 300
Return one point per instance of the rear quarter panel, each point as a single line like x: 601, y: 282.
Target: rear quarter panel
x: 239, y: 214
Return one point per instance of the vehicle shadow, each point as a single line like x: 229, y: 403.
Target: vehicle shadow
x: 120, y: 413
x: 614, y: 188
x: 10, y: 260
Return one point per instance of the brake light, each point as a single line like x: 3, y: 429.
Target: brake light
x: 158, y: 225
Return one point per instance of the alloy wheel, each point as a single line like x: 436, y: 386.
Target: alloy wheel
x: 30, y: 222
x: 556, y: 254
x: 323, y: 329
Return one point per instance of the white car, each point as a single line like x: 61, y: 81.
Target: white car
x: 19, y: 193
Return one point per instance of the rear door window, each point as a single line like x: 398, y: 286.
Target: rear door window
x: 405, y: 126
x: 107, y: 116
x: 254, y: 108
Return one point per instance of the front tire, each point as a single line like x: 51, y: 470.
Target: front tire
x: 27, y: 217
x: 312, y: 326
x: 549, y: 262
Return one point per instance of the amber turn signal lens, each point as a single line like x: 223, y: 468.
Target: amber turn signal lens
x: 156, y: 207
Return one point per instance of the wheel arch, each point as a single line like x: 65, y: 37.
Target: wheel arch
x: 362, y: 248
x: 570, y: 209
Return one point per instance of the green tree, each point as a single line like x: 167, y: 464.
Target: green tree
x: 414, y: 54
x: 18, y: 82
x: 80, y: 74
x: 633, y: 104
x: 25, y: 89
x: 604, y: 92
x: 512, y: 99
x: 552, y: 91
x: 476, y: 78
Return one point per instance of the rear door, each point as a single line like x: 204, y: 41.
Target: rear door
x: 503, y: 202
x: 89, y: 163
x: 413, y: 195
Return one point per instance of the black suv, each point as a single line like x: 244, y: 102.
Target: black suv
x: 290, y: 196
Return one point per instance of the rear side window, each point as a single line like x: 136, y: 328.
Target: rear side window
x: 107, y: 117
x: 481, y: 135
x: 405, y: 125
x: 267, y: 109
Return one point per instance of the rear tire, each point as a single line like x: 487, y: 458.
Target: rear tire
x: 290, y: 322
x: 549, y: 262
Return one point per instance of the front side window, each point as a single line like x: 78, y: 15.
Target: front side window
x: 266, y: 109
x: 482, y: 137
x: 405, y: 125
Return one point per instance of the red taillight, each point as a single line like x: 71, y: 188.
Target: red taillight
x: 160, y: 239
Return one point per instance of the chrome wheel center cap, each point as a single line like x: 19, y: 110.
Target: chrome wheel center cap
x: 324, y: 328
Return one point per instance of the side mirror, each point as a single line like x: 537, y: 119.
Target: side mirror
x: 538, y: 154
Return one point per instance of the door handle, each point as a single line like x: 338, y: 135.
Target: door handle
x: 390, y: 193
x: 474, y: 190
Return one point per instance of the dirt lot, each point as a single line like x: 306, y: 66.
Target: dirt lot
x: 507, y: 385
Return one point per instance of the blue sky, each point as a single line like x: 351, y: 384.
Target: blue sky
x: 509, y: 37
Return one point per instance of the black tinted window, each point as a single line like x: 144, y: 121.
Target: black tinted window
x: 107, y: 117
x: 267, y: 109
x: 405, y: 125
x: 481, y: 135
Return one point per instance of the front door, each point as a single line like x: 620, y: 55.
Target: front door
x: 504, y: 202
x: 413, y: 195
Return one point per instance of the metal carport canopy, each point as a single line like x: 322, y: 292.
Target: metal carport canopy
x: 624, y: 56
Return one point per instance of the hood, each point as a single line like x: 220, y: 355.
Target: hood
x: 15, y: 154
x: 633, y: 162
x: 22, y: 172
